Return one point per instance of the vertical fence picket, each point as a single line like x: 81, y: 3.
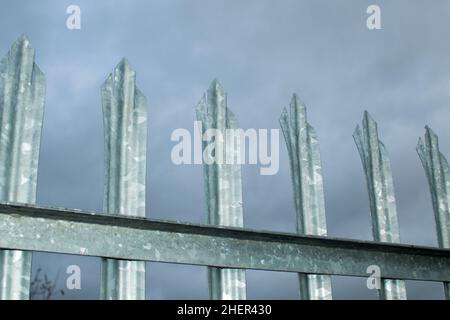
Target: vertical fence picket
x: 223, y: 187
x: 306, y: 173
x: 438, y: 175
x: 22, y: 95
x: 125, y: 126
x: 380, y: 187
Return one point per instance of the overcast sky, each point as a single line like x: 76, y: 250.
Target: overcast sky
x: 262, y: 51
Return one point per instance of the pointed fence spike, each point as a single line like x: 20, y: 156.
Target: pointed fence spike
x: 438, y: 174
x: 380, y: 186
x: 125, y: 126
x: 304, y: 155
x: 223, y: 189
x: 22, y: 95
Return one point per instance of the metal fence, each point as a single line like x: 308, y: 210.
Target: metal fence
x: 125, y: 239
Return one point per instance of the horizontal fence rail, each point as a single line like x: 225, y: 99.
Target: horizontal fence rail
x: 110, y: 236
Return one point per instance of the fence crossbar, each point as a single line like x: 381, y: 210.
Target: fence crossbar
x: 66, y: 231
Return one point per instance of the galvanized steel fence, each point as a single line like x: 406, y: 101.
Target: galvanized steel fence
x: 125, y: 239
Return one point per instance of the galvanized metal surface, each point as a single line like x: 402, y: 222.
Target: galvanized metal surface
x: 125, y: 125
x: 22, y: 94
x: 438, y: 175
x: 306, y: 173
x: 132, y: 238
x: 223, y: 187
x: 380, y: 186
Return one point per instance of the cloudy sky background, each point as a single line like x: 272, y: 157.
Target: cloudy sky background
x: 261, y: 51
